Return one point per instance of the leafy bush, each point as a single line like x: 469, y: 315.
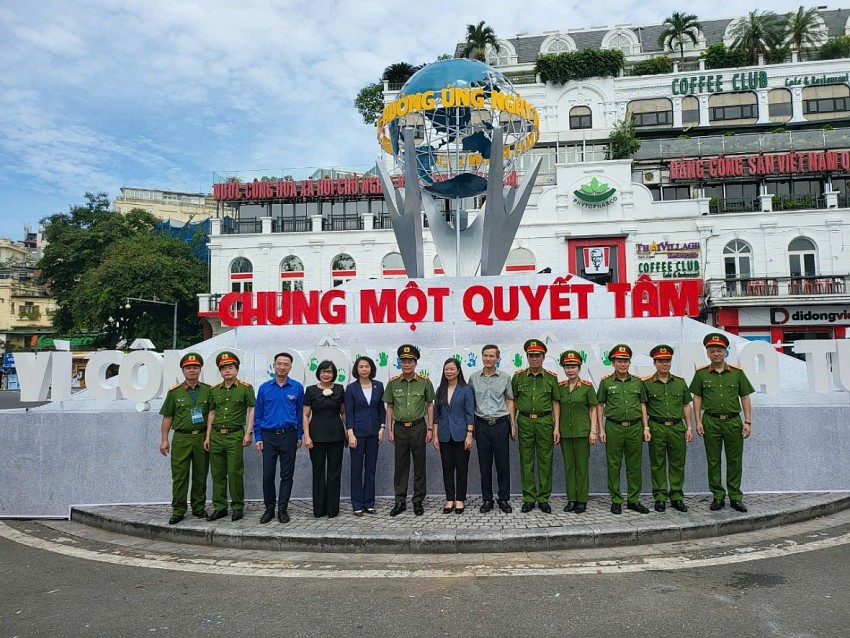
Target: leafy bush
x: 622, y: 141
x: 560, y: 68
x: 653, y: 66
x: 717, y: 56
x: 836, y: 48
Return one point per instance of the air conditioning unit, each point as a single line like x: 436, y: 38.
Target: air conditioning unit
x: 652, y: 177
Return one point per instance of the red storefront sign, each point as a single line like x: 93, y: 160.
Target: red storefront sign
x: 791, y: 163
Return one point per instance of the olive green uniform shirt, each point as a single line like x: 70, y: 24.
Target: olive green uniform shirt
x: 179, y: 403
x: 535, y: 393
x: 575, y: 408
x: 622, y: 399
x: 666, y: 401
x: 721, y: 391
x: 231, y: 404
x: 409, y: 398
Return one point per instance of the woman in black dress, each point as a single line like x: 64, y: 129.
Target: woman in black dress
x: 324, y: 435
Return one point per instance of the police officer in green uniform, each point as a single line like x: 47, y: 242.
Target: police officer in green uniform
x: 535, y: 391
x: 722, y: 390
x: 231, y: 408
x: 668, y: 407
x: 184, y: 410
x: 578, y: 430
x: 622, y: 401
x: 409, y: 398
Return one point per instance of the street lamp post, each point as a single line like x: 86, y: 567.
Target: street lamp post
x: 162, y: 303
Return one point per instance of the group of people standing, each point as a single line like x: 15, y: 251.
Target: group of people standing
x: 211, y: 425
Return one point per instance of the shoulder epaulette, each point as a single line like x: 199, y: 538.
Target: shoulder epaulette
x: 423, y: 376
x: 649, y: 378
x: 676, y: 376
x: 554, y: 374
x: 217, y: 385
x: 518, y: 371
x: 174, y: 387
x: 586, y: 382
x: 705, y: 367
x: 245, y: 383
x: 563, y: 382
x: 607, y: 376
x: 395, y: 377
x: 729, y: 365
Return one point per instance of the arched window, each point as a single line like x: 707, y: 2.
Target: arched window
x: 656, y: 112
x: 502, y: 57
x: 343, y: 268
x: 581, y: 117
x: 438, y: 266
x: 241, y: 275
x: 622, y: 39
x: 558, y: 44
x: 392, y: 266
x: 690, y: 111
x: 737, y: 261
x: 779, y: 105
x: 801, y: 258
x: 291, y: 273
x: 520, y: 260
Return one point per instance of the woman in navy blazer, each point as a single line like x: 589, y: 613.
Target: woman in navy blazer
x: 454, y: 419
x: 364, y: 424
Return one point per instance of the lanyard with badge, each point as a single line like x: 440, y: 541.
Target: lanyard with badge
x: 196, y: 412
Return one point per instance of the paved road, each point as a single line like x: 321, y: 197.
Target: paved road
x: 12, y: 399
x: 799, y: 592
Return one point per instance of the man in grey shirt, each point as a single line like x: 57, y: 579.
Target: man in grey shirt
x: 495, y: 424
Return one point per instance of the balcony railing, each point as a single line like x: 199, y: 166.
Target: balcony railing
x: 732, y: 205
x: 241, y: 226
x: 798, y: 202
x: 748, y: 287
x: 342, y: 223
x: 292, y: 225
x: 383, y: 222
x: 747, y: 143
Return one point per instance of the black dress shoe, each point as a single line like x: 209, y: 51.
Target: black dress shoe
x: 418, y: 509
x: 175, y: 519
x: 526, y: 507
x: 450, y: 509
x: 283, y: 517
x: 580, y: 507
x: 717, y: 504
x: 460, y: 510
x: 570, y: 506
x: 486, y: 506
x: 738, y: 505
x: 660, y: 506
x: 217, y: 514
x: 505, y: 507
x: 237, y: 515
x: 398, y: 508
x: 616, y: 508
x: 637, y: 507
x: 200, y: 513
x: 267, y: 517
x: 679, y: 505
x: 545, y: 507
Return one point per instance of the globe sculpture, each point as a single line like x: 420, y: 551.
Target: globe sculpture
x: 456, y: 129
x: 453, y: 107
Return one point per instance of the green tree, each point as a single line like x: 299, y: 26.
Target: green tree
x: 757, y: 34
x: 678, y: 28
x: 370, y: 102
x: 76, y: 243
x: 717, y: 56
x: 399, y: 73
x: 622, y: 141
x: 836, y: 48
x: 147, y: 266
x: 802, y: 28
x: 477, y: 38
x: 653, y: 66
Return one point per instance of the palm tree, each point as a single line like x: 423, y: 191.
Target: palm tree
x: 757, y: 34
x: 477, y: 38
x: 803, y: 28
x: 399, y: 73
x: 678, y: 28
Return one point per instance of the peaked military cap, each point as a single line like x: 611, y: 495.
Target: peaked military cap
x: 226, y: 359
x: 661, y: 352
x: 570, y: 357
x: 715, y: 339
x: 620, y: 351
x: 191, y: 359
x: 408, y: 351
x: 534, y: 345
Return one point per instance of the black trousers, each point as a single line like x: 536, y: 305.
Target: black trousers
x: 455, y: 469
x: 327, y: 474
x: 282, y: 448
x: 493, y: 443
x: 409, y: 443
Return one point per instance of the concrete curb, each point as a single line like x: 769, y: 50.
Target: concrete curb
x: 473, y: 532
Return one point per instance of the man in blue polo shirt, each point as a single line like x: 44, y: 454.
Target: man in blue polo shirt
x: 278, y: 431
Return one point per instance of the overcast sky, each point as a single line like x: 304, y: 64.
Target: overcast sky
x: 99, y: 94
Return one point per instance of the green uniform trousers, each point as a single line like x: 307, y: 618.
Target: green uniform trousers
x: 576, y: 453
x: 535, y: 443
x: 409, y: 443
x: 227, y: 469
x: 188, y: 453
x: 624, y: 441
x: 717, y: 435
x: 667, y: 450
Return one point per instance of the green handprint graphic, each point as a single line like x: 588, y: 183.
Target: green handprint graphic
x: 340, y: 378
x: 456, y: 357
x: 383, y: 359
x: 423, y: 373
x: 605, y: 360
x: 314, y: 363
x: 583, y: 356
x: 518, y: 360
